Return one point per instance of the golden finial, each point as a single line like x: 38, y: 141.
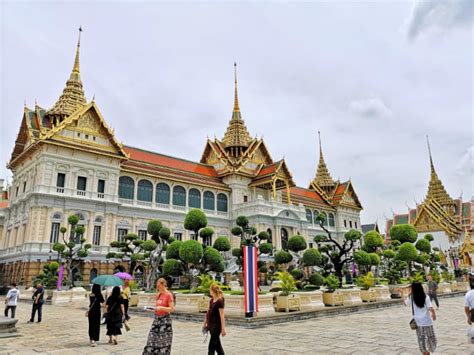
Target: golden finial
x: 236, y: 97
x: 436, y: 189
x: 75, y: 69
x: 323, y: 179
x: 93, y: 98
x: 429, y: 152
x: 24, y: 103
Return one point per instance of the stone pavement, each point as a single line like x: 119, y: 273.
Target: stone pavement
x: 383, y: 331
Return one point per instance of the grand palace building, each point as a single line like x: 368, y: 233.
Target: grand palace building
x: 67, y: 160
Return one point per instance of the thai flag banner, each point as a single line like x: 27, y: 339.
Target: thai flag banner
x: 250, y: 279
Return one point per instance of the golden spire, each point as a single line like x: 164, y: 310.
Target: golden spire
x: 73, y: 97
x: 436, y: 189
x: 236, y: 134
x: 323, y: 179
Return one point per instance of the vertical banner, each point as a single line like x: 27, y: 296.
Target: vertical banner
x: 250, y: 279
x: 60, y: 277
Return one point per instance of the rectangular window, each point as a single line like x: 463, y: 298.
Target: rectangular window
x: 355, y: 223
x: 121, y: 234
x: 54, y: 233
x: 142, y: 234
x: 60, y: 181
x: 245, y: 198
x: 310, y: 245
x: 96, y: 236
x: 345, y: 224
x: 350, y: 224
x: 24, y: 186
x: 81, y: 183
x: 101, y: 186
x: 178, y: 236
x: 16, y: 193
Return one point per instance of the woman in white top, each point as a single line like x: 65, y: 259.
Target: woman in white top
x: 422, y: 309
x: 469, y: 301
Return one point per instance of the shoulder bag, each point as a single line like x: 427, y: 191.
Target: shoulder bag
x: 413, y: 324
x: 92, y: 305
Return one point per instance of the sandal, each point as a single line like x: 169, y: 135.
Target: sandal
x: 115, y: 342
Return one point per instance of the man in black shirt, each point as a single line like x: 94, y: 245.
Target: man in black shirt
x: 37, y: 303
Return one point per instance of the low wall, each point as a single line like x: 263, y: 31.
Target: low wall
x: 311, y: 300
x: 76, y: 295
x: 350, y: 296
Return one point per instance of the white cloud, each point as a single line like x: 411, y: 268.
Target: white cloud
x: 371, y: 108
x: 436, y: 15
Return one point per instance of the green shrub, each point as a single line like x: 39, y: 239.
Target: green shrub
x: 297, y: 243
x: 429, y: 237
x: 403, y: 233
x: 297, y: 274
x: 316, y: 280
x: 374, y: 259
x: 331, y: 282
x: 366, y: 281
x: 263, y: 235
x: 373, y: 240
x: 423, y: 245
x: 222, y: 244
x: 283, y: 257
x: 137, y: 257
x: 195, y: 220
x: 237, y: 231
x: 149, y: 245
x: 154, y: 226
x: 389, y: 254
x: 312, y: 257
x: 288, y: 283
x: 172, y: 267
x: 212, y: 256
x: 191, y: 252
x: 435, y: 275
x: 172, y: 252
x: 165, y: 233
x: 265, y: 248
x: 407, y: 252
x: 320, y: 238
x: 73, y: 219
x: 242, y: 221
x: 237, y: 252
x: 206, y: 232
x: 361, y: 257
x: 53, y: 266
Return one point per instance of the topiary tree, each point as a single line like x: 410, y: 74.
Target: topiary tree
x: 408, y: 253
x: 222, y: 244
x: 429, y: 237
x: 372, y: 241
x: 338, y: 253
x: 316, y: 280
x: 172, y: 251
x: 172, y: 267
x: 153, y: 251
x: 423, y: 245
x: 74, y: 250
x: 195, y: 220
x: 128, y: 250
x: 283, y: 257
x: 206, y: 234
x: 362, y: 259
x: 403, y: 233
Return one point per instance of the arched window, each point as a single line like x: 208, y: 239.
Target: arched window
x: 93, y: 274
x: 209, y: 201
x: 145, y: 191
x: 179, y: 196
x: 284, y: 239
x: 332, y: 222
x: 309, y: 215
x: 269, y: 240
x: 325, y: 216
x: 315, y: 215
x: 194, y: 198
x: 126, y: 187
x: 162, y: 193
x: 221, y: 203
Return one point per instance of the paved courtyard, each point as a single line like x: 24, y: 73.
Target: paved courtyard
x: 385, y: 331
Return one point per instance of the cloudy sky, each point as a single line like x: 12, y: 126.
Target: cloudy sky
x: 374, y: 77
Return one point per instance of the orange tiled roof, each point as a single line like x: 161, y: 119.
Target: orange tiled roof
x: 3, y: 204
x: 302, y: 192
x: 340, y: 189
x: 268, y: 169
x: 169, y: 162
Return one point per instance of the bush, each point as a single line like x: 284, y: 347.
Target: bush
x: 195, y: 220
x: 367, y: 281
x: 282, y: 257
x: 297, y: 274
x: 212, y: 256
x: 149, y: 245
x: 137, y: 257
x: 172, y: 267
x: 73, y: 219
x: 316, y: 280
x: 59, y: 247
x: 154, y: 227
x: 191, y: 252
x: 320, y: 238
x: 353, y: 235
x: 312, y: 257
x: 237, y: 252
x: 403, y: 233
x: 165, y: 233
x: 407, y: 252
x: 423, y: 245
x: 172, y: 252
x: 206, y: 232
x: 222, y: 244
x: 265, y: 248
x: 374, y: 259
x: 429, y: 237
x: 389, y: 254
x: 297, y: 243
x: 263, y: 235
x: 130, y: 236
x: 373, y: 240
x: 263, y: 269
x: 362, y: 258
x: 331, y: 282
x: 288, y: 283
x: 242, y: 221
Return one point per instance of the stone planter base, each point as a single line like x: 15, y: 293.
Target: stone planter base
x: 335, y: 298
x: 382, y: 293
x: 369, y: 295
x: 462, y: 286
x: 288, y: 303
x: 351, y: 296
x: 147, y: 299
x: 235, y: 305
x: 399, y: 291
x: 8, y: 327
x: 192, y: 302
x: 311, y: 300
x: 76, y: 295
x: 133, y: 302
x: 444, y: 287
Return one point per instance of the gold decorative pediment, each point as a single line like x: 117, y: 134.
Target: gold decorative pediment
x: 425, y: 223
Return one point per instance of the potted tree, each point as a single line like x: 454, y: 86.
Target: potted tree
x: 285, y: 299
x: 366, y: 282
x: 331, y: 297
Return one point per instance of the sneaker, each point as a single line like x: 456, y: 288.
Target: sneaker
x: 30, y: 321
x: 93, y: 344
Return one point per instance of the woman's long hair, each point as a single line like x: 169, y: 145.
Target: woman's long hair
x: 115, y: 292
x: 418, y: 294
x: 96, y: 290
x: 217, y: 290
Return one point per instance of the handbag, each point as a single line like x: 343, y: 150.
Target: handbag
x: 107, y: 315
x: 127, y: 326
x: 413, y: 324
x: 92, y: 305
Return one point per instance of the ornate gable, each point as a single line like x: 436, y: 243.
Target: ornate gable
x: 345, y: 195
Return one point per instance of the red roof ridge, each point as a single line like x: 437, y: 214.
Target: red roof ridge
x: 167, y: 156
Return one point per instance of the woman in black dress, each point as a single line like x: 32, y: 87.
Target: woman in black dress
x: 115, y: 311
x: 215, y: 321
x: 93, y: 314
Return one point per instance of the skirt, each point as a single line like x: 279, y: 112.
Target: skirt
x: 426, y: 338
x: 160, y: 336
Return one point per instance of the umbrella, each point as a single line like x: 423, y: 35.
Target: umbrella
x: 124, y: 275
x: 108, y: 280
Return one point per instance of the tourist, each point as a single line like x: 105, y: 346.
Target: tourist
x: 215, y: 322
x: 11, y: 300
x: 469, y: 301
x: 160, y: 337
x: 114, y: 314
x: 421, y: 309
x: 93, y: 314
x: 38, y: 297
x: 126, y: 298
x: 433, y: 290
